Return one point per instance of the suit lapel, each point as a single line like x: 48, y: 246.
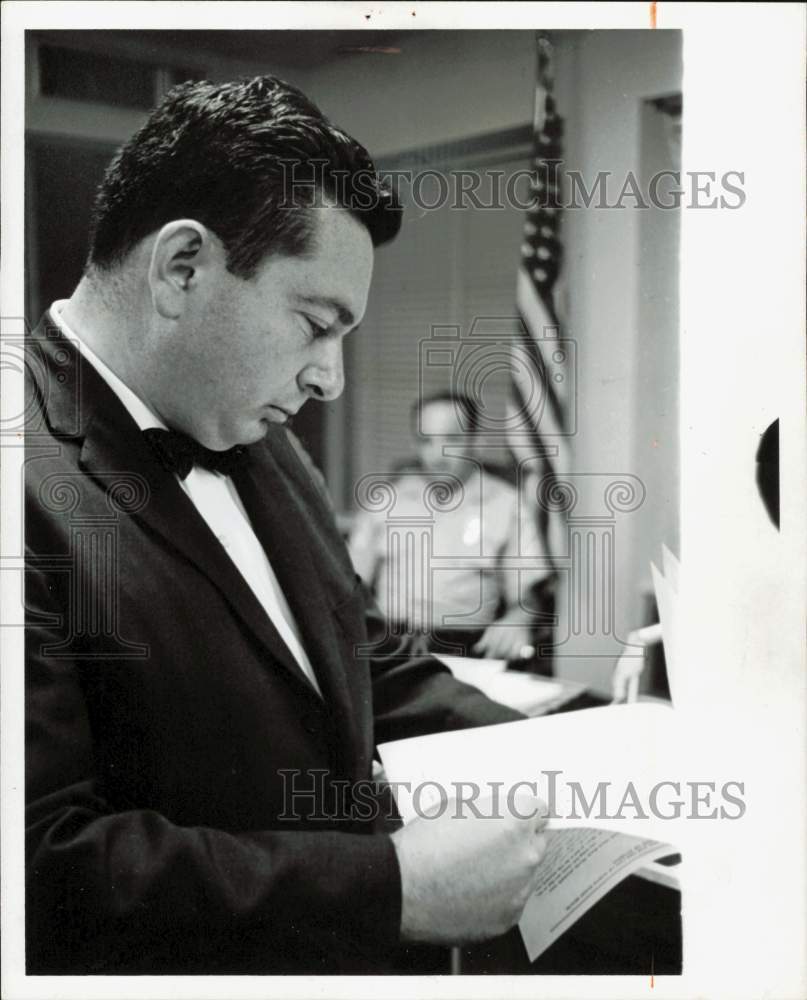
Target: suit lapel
x: 113, y: 449
x: 284, y: 528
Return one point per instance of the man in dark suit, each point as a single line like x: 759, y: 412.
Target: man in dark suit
x: 202, y: 681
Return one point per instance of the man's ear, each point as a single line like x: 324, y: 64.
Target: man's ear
x: 184, y: 252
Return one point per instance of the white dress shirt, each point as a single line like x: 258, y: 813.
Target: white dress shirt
x: 452, y: 570
x: 216, y: 499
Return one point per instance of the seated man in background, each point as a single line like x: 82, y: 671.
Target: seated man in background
x: 436, y: 559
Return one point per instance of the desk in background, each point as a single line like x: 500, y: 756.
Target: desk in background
x: 527, y: 693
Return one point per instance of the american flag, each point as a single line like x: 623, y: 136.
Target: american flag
x: 543, y: 364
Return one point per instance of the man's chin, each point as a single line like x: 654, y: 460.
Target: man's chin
x: 253, y: 431
x: 257, y: 432
x: 242, y: 436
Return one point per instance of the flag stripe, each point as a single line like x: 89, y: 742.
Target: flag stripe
x: 542, y: 368
x: 541, y: 326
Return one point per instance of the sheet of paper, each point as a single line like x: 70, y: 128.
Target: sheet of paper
x: 591, y: 767
x: 469, y: 669
x: 671, y: 567
x: 594, y: 769
x: 579, y: 868
x: 524, y: 692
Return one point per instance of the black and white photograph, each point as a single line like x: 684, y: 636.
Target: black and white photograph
x: 398, y: 564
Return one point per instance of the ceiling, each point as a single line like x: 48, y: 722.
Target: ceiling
x: 297, y: 49
x: 300, y: 49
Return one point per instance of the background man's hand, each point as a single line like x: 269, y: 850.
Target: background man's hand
x: 508, y: 638
x: 467, y: 877
x: 629, y: 666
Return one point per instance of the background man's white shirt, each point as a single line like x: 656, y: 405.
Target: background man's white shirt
x: 430, y: 582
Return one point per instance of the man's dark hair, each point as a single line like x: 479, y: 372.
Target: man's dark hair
x: 248, y: 160
x: 467, y: 409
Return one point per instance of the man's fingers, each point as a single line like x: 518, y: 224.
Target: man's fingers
x: 537, y: 873
x: 499, y: 642
x: 541, y: 817
x: 482, y: 644
x: 530, y: 809
x: 486, y: 646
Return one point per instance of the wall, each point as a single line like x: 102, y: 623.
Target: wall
x: 603, y: 78
x: 446, y: 86
x: 443, y: 85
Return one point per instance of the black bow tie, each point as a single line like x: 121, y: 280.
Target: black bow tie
x: 180, y: 453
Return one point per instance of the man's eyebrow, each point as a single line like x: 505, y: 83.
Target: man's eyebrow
x: 346, y: 317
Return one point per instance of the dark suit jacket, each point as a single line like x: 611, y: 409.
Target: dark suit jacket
x: 162, y: 708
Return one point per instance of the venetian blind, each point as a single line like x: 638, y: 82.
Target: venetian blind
x: 449, y: 267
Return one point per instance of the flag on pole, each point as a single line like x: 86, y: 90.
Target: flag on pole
x: 542, y: 402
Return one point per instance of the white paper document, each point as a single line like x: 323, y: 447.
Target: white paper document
x: 598, y: 770
x: 579, y: 868
x: 671, y: 567
x: 588, y: 766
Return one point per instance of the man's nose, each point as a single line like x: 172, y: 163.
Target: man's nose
x: 325, y: 378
